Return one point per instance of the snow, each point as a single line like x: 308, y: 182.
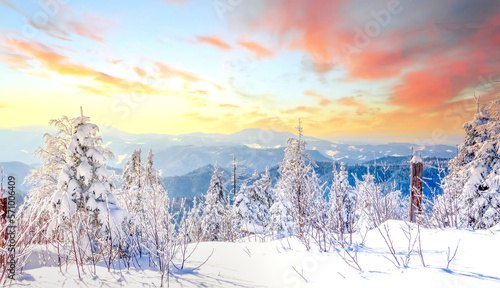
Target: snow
x: 85, y: 170
x: 250, y: 263
x: 416, y: 159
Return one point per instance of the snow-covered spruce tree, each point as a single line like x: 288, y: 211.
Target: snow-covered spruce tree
x: 89, y: 215
x: 446, y: 205
x: 158, y: 228
x: 193, y: 227
x: 342, y: 202
x: 141, y: 183
x: 369, y: 206
x: 217, y: 211
x: 44, y: 180
x: 132, y: 177
x: 189, y: 231
x: 474, y: 178
x: 296, y: 191
x: 131, y: 197
x: 373, y: 207
x: 152, y: 177
x: 252, y: 204
x: 265, y: 192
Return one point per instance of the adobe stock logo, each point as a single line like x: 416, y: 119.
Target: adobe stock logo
x: 372, y: 29
x: 223, y: 6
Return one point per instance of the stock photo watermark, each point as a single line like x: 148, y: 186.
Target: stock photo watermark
x: 10, y: 239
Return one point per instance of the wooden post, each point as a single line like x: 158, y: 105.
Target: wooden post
x: 416, y: 173
x: 81, y: 110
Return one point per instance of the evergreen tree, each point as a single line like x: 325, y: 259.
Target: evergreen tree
x: 157, y: 223
x: 132, y: 176
x: 44, y: 180
x: 216, y: 213
x: 369, y: 203
x: 251, y: 206
x: 152, y: 177
x: 296, y: 191
x: 84, y: 193
x: 446, y: 205
x: 265, y: 193
x: 474, y: 180
x: 342, y: 202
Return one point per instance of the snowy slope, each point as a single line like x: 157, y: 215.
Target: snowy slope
x: 286, y: 263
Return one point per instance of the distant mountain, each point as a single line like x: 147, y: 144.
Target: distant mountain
x: 19, y: 145
x: 193, y: 184
x: 177, y: 155
x: 19, y: 171
x: 179, y: 160
x: 394, y: 173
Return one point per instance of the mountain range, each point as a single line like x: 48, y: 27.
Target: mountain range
x: 255, y: 149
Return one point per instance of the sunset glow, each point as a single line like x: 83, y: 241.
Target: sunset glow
x: 364, y: 70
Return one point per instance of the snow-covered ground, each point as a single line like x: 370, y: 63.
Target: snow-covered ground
x: 286, y: 263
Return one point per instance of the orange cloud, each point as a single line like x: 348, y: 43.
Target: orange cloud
x: 115, y: 61
x: 140, y: 72
x: 228, y: 106
x: 62, y: 65
x: 420, y: 89
x: 169, y: 72
x: 214, y: 41
x: 49, y: 59
x: 374, y: 65
x: 323, y: 101
x: 15, y: 61
x: 83, y: 30
x: 302, y: 109
x: 94, y: 90
x: 259, y: 51
x: 123, y: 84
x: 362, y: 108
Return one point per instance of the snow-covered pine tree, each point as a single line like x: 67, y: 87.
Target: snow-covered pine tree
x: 342, y: 202
x: 215, y: 213
x: 194, y: 228
x: 369, y: 206
x: 132, y: 177
x: 44, y: 180
x: 373, y: 207
x: 251, y: 206
x: 88, y: 208
x: 446, y: 205
x: 474, y: 179
x: 157, y: 222
x: 295, y: 191
x: 141, y: 184
x: 152, y: 177
x: 265, y: 192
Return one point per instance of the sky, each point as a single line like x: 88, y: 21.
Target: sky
x: 350, y: 70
